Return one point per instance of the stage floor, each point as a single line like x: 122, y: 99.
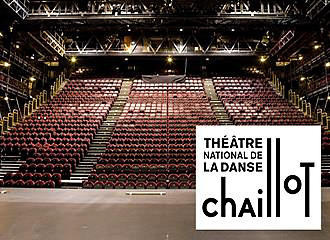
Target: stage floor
x: 43, y: 214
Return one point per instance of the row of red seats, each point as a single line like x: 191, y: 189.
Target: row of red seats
x: 155, y: 134
x: 60, y: 132
x: 138, y: 185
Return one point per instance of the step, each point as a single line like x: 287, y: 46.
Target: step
x: 93, y: 147
x: 86, y: 171
x: 71, y: 183
x: 81, y: 178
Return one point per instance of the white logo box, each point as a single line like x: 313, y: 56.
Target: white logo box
x: 285, y: 202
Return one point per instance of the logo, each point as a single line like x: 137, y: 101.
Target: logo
x: 258, y: 178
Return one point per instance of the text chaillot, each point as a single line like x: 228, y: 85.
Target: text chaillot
x: 226, y: 206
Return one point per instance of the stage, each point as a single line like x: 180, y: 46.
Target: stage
x: 76, y: 214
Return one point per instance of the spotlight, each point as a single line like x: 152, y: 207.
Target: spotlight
x: 6, y: 64
x: 133, y: 43
x: 17, y: 46
x: 207, y: 59
x: 73, y: 59
x: 302, y: 79
x: 317, y: 46
x: 327, y: 64
x: 6, y: 98
x: 263, y: 59
x: 233, y: 29
x: 129, y: 30
x: 300, y: 58
x: 126, y: 59
x: 328, y: 97
x: 32, y: 79
x: 169, y: 59
x: 1, y: 34
x: 181, y: 30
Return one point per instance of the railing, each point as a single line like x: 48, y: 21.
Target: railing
x: 13, y: 118
x: 9, y: 81
x: 303, y: 105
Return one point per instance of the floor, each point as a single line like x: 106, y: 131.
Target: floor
x: 43, y: 214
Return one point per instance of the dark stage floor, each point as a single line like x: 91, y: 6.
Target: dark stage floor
x: 42, y: 214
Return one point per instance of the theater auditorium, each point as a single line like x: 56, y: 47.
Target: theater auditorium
x: 100, y: 99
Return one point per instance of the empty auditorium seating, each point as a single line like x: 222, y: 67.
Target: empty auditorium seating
x: 252, y: 101
x: 53, y: 139
x: 153, y: 143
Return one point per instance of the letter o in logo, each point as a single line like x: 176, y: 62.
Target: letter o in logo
x: 286, y: 184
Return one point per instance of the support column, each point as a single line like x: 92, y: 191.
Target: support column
x: 325, y: 120
x: 10, y: 120
x: 15, y: 117
x: 26, y: 109
x: 5, y: 124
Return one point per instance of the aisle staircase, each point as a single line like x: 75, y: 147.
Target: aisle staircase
x: 9, y: 164
x: 216, y: 105
x: 101, y: 138
x: 325, y: 163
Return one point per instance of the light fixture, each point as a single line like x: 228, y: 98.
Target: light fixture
x: 17, y: 46
x: 6, y: 64
x: 126, y: 59
x: 263, y: 59
x: 207, y: 59
x: 32, y: 79
x: 73, y: 59
x: 32, y: 57
x: 1, y: 34
x: 317, y: 46
x: 328, y: 97
x: 129, y: 30
x: 327, y: 64
x: 6, y: 98
x: 300, y: 57
x: 302, y: 79
x: 233, y: 29
x: 181, y: 30
x: 169, y: 59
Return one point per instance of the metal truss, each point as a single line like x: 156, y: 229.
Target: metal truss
x: 284, y: 40
x: 55, y: 41
x: 20, y: 62
x: 20, y: 7
x: 130, y: 12
x: 190, y: 45
x: 315, y: 7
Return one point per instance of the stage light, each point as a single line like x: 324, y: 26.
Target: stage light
x: 6, y: 64
x: 1, y: 34
x: 181, y: 29
x: 73, y: 59
x: 129, y: 30
x: 233, y: 29
x: 263, y: 59
x: 300, y: 58
x: 126, y: 59
x: 17, y: 46
x: 302, y: 79
x: 207, y: 59
x: 317, y: 46
x: 32, y: 79
x: 169, y: 59
x: 6, y: 98
x: 327, y: 64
